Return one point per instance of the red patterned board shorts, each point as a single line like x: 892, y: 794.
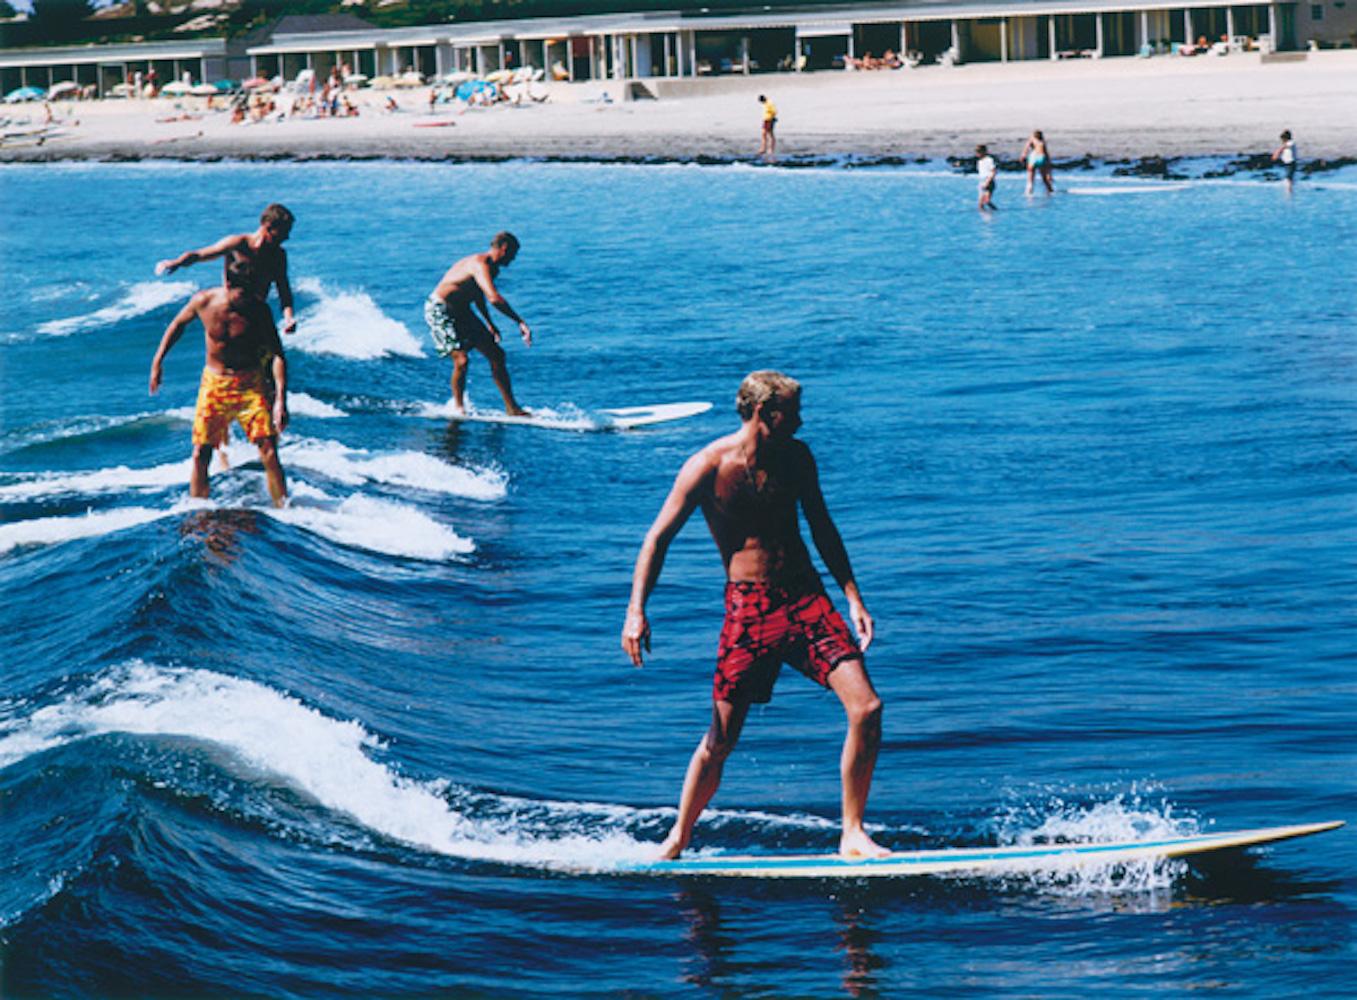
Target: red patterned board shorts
x: 768, y: 626
x: 227, y: 396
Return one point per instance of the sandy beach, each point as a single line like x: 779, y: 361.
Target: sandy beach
x: 1109, y: 110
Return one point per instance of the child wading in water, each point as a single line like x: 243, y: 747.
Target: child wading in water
x: 987, y: 169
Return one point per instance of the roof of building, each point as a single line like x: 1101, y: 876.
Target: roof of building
x: 310, y: 24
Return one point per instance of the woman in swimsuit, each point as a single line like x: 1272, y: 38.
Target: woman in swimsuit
x: 1037, y: 157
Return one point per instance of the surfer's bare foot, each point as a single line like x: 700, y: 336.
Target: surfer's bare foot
x: 516, y: 411
x: 671, y: 848
x: 858, y: 845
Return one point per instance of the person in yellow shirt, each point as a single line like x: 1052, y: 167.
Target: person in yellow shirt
x: 769, y: 144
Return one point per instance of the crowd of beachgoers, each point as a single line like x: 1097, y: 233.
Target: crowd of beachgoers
x: 1112, y: 109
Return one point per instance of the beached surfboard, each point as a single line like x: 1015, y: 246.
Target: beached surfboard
x: 968, y: 861
x: 622, y: 418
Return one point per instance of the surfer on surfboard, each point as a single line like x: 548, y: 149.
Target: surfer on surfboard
x: 457, y: 330
x: 749, y: 485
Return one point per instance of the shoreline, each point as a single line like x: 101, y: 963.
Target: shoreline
x: 1113, y: 111
x: 1170, y: 169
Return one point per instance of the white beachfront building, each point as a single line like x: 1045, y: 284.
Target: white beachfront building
x: 104, y: 67
x: 702, y: 44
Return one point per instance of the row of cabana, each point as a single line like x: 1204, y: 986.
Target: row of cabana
x: 678, y: 44
x: 694, y: 44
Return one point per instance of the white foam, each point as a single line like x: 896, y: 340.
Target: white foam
x: 324, y: 758
x: 55, y: 530
x: 299, y: 404
x: 1122, y: 818
x: 350, y: 324
x: 114, y: 479
x: 379, y: 526
x: 413, y: 469
x: 141, y: 298
x: 568, y: 418
x: 1126, y: 189
x: 62, y: 290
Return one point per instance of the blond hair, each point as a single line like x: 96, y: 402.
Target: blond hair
x: 763, y: 387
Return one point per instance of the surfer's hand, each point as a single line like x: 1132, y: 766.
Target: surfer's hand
x: 290, y: 325
x: 155, y: 377
x: 862, y: 623
x: 526, y: 330
x: 280, y: 416
x: 165, y: 267
x: 636, y: 636
x: 494, y: 332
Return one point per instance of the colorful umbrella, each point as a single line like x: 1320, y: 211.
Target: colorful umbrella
x: 25, y: 94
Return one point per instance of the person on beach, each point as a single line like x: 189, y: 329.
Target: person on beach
x: 238, y: 331
x: 988, y: 170
x: 456, y: 329
x: 1285, y: 154
x: 1036, y: 157
x: 264, y: 247
x: 768, y: 141
x: 749, y: 485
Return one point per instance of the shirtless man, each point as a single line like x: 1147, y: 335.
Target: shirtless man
x: 749, y: 485
x: 456, y: 329
x: 239, y: 330
x: 264, y: 247
x: 1036, y: 157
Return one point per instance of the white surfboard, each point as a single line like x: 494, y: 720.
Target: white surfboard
x: 657, y: 413
x: 968, y: 861
x: 572, y: 419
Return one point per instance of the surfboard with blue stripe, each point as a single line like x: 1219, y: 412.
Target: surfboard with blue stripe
x: 964, y: 861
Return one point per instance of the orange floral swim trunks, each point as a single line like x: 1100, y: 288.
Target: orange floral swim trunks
x: 223, y: 397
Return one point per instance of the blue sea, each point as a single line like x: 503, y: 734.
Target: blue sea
x: 1094, y: 459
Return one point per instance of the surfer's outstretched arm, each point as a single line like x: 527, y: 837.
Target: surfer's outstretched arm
x: 223, y: 246
x: 678, y: 507
x: 829, y: 543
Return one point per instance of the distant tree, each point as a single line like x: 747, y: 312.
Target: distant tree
x: 61, y: 13
x: 6, y: 10
x: 60, y: 20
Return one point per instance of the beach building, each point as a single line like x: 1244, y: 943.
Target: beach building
x: 697, y: 44
x: 106, y: 67
x: 694, y: 43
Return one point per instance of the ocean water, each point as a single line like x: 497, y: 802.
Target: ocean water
x: 1094, y: 459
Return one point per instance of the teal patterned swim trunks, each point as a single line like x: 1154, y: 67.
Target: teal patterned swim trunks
x: 459, y: 331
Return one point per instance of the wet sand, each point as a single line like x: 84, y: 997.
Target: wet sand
x: 1109, y: 110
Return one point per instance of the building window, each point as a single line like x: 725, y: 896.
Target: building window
x: 1316, y: 12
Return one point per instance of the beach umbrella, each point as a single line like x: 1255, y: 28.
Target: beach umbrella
x: 175, y: 88
x: 25, y: 94
x: 499, y: 76
x: 356, y: 79
x: 226, y: 86
x: 203, y: 90
x: 382, y: 82
x: 461, y: 76
x: 63, y: 88
x: 257, y: 83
